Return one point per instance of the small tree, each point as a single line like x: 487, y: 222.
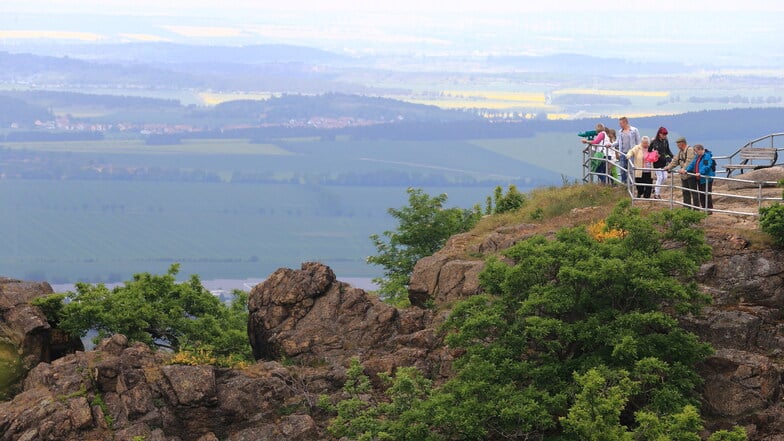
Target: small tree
x: 510, y: 201
x: 156, y: 310
x: 423, y: 228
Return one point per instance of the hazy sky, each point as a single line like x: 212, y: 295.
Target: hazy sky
x: 698, y: 31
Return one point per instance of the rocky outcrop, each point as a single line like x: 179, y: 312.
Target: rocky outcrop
x: 743, y: 379
x: 309, y: 316
x: 759, y: 176
x: 26, y: 338
x: 449, y: 275
x: 123, y: 391
x: 745, y: 324
x: 128, y: 392
x: 305, y: 325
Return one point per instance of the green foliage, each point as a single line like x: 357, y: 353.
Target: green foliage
x: 158, y: 311
x: 51, y: 306
x: 572, y: 341
x: 361, y: 417
x: 423, y: 228
x: 736, y: 434
x: 356, y: 415
x: 510, y: 201
x: 99, y: 402
x: 772, y: 222
x: 573, y: 304
x: 11, y: 370
x: 596, y: 412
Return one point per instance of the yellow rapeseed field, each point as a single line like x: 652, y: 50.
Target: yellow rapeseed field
x: 605, y: 92
x: 214, y: 98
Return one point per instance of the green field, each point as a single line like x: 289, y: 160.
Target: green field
x: 64, y: 230
x: 139, y: 147
x: 105, y: 230
x: 67, y: 231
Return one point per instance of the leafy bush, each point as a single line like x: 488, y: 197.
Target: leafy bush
x: 158, y: 311
x: 504, y: 203
x: 772, y: 222
x: 571, y: 341
x: 361, y: 417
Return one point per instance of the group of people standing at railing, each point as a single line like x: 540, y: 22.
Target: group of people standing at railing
x: 648, y: 158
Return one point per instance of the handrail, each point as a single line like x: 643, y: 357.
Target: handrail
x: 589, y: 176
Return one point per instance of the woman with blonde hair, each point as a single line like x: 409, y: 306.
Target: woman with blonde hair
x: 642, y: 178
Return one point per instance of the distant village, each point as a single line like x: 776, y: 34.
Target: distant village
x: 64, y: 123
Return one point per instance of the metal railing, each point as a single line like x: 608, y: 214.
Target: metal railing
x: 768, y: 141
x: 592, y: 172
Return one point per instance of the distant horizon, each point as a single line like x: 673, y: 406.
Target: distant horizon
x: 220, y: 285
x: 718, y: 33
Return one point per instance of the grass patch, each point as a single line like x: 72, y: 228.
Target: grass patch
x: 544, y: 204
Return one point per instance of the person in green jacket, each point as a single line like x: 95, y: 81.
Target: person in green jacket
x: 688, y: 182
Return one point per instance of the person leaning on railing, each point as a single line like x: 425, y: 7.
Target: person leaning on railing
x: 627, y: 138
x: 596, y: 148
x: 689, y: 183
x: 702, y: 166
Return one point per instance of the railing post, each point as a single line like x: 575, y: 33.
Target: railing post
x: 759, y: 196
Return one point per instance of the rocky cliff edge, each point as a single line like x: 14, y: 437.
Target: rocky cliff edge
x: 305, y: 326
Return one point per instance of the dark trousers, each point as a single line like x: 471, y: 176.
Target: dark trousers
x: 690, y: 195
x: 623, y: 162
x: 705, y: 189
x: 644, y: 191
x: 601, y: 170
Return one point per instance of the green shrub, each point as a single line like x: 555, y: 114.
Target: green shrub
x: 504, y: 203
x: 158, y: 311
x: 574, y: 340
x: 772, y: 222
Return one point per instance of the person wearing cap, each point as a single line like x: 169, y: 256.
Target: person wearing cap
x: 688, y: 182
x: 702, y: 167
x: 661, y: 145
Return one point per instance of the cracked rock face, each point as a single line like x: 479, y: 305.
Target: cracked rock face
x: 308, y: 315
x: 123, y: 391
x: 26, y: 338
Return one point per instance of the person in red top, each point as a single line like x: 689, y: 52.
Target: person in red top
x: 661, y: 145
